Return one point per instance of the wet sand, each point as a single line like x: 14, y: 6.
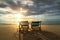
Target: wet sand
x: 51, y: 28
x: 37, y: 35
x: 9, y: 32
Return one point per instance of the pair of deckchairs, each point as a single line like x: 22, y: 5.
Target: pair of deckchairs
x: 34, y: 25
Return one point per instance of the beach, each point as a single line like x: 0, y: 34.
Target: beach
x: 10, y: 32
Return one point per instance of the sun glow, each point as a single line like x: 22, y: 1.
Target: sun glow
x: 18, y: 17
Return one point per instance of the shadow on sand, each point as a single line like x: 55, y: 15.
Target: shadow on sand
x: 50, y: 35
x: 34, y: 35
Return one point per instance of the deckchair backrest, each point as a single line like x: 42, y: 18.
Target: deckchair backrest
x: 24, y: 23
x: 35, y: 23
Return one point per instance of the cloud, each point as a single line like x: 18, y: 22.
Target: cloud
x: 3, y: 5
x: 35, y: 7
x: 43, y: 7
x: 5, y: 12
x: 10, y: 3
x: 13, y: 5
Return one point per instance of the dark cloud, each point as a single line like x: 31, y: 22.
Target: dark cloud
x: 39, y: 6
x: 48, y: 2
x: 3, y: 5
x: 5, y: 12
x: 12, y: 4
x: 44, y: 6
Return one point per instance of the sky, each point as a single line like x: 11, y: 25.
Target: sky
x: 47, y: 11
